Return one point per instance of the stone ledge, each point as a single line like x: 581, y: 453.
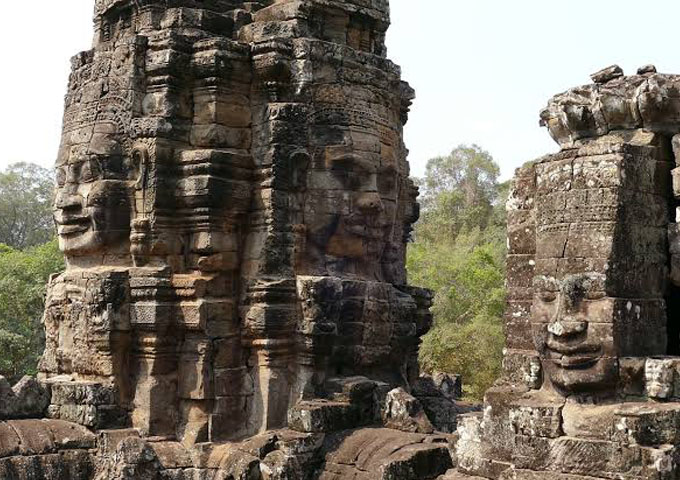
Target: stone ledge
x: 38, y: 437
x: 456, y: 475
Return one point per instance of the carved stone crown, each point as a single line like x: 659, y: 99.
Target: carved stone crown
x: 101, y: 6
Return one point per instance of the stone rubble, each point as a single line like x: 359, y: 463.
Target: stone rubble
x: 28, y: 398
x: 439, y: 396
x: 402, y: 411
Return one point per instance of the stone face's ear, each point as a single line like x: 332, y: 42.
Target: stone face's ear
x: 138, y: 175
x: 139, y: 167
x: 298, y: 165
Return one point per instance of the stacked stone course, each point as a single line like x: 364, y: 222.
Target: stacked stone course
x: 233, y: 201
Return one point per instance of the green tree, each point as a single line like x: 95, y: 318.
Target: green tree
x: 467, y: 277
x: 25, y: 205
x: 459, y: 192
x: 23, y: 278
x: 459, y: 253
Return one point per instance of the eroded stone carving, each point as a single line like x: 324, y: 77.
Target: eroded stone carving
x: 245, y: 211
x: 589, y: 390
x: 233, y: 201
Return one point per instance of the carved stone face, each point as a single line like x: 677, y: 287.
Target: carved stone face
x: 351, y: 203
x: 574, y: 319
x: 533, y: 374
x: 361, y: 325
x: 91, y: 205
x: 659, y: 377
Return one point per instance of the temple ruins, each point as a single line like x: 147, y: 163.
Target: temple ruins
x: 233, y: 202
x: 591, y: 389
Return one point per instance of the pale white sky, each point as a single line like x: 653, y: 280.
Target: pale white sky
x: 482, y: 69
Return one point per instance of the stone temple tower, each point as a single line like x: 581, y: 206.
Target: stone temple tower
x: 233, y: 184
x: 233, y: 201
x: 591, y: 383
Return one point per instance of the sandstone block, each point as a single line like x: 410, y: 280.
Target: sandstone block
x: 108, y: 440
x: 35, y: 436
x: 537, y: 420
x: 69, y: 393
x: 404, y: 412
x: 219, y: 136
x: 675, y: 143
x: 647, y: 425
x: 675, y: 175
x: 439, y: 408
x: 607, y: 74
x: 520, y: 277
x: 9, y: 441
x: 322, y: 416
x: 521, y: 232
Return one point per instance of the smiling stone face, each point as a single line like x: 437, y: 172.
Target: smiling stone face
x: 576, y: 331
x: 91, y: 205
x: 351, y: 208
x: 363, y: 193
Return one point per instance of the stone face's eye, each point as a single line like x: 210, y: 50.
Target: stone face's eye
x: 345, y: 178
x: 348, y: 172
x: 547, y: 296
x: 61, y: 176
x: 108, y: 166
x: 89, y: 171
x: 86, y: 174
x: 342, y: 165
x: 356, y: 180
x: 595, y: 295
x: 387, y: 181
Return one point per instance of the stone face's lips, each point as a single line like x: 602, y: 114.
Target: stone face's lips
x: 70, y: 225
x: 365, y: 226
x: 365, y: 231
x: 581, y: 355
x: 574, y: 361
x: 576, y: 356
x: 566, y: 349
x: 72, y: 229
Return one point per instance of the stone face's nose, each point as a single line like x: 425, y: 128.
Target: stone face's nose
x: 67, y: 201
x: 567, y: 327
x: 369, y: 202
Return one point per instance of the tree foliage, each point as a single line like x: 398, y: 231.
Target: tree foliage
x: 459, y: 253
x: 459, y: 192
x: 25, y: 205
x: 23, y: 278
